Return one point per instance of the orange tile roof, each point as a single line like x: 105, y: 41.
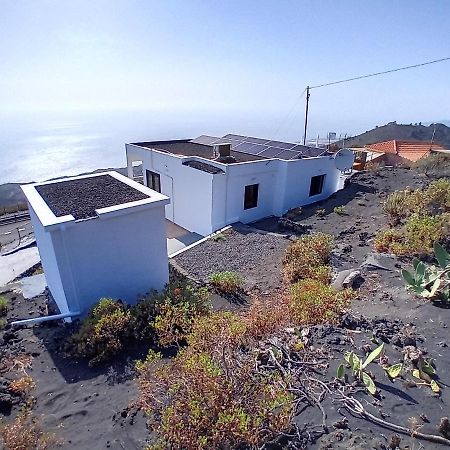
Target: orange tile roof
x: 411, y: 150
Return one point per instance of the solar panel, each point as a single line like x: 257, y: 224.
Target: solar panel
x: 249, y: 148
x: 256, y: 140
x: 283, y: 145
x: 269, y: 148
x: 288, y: 154
x: 204, y: 139
x: 236, y: 137
x: 309, y: 151
x: 270, y: 152
x: 233, y: 142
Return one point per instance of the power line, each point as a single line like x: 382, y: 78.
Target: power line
x: 380, y: 73
x: 287, y: 119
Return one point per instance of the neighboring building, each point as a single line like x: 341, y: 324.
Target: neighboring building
x: 213, y: 182
x: 99, y: 235
x: 397, y: 152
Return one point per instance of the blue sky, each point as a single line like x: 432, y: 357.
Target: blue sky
x: 246, y: 59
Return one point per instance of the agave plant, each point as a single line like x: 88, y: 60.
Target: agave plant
x: 430, y: 281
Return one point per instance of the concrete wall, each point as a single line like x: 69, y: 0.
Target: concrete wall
x: 190, y: 190
x: 297, y: 180
x: 118, y: 257
x: 229, y: 192
x: 50, y: 262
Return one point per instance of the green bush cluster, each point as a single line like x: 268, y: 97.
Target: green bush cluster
x: 434, y: 199
x: 313, y: 302
x: 162, y: 318
x: 307, y: 257
x: 3, y: 306
x: 419, y: 218
x: 209, y: 395
x: 228, y: 282
x: 434, y: 164
x: 416, y: 237
x: 103, y: 333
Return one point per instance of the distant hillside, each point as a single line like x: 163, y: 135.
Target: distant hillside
x: 402, y: 132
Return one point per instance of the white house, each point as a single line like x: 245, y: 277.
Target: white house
x: 213, y: 182
x: 99, y: 235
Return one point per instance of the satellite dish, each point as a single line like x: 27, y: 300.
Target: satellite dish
x: 344, y: 159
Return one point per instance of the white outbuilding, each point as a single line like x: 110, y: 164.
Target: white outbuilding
x: 100, y: 235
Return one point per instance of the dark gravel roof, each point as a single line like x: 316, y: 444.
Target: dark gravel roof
x: 204, y: 167
x: 186, y: 148
x: 83, y: 196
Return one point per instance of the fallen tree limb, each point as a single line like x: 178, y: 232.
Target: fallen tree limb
x: 355, y: 407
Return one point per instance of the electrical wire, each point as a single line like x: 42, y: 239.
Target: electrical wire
x: 283, y: 122
x: 380, y: 73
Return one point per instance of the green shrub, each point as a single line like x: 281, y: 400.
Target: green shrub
x: 25, y: 433
x: 307, y: 258
x: 227, y: 282
x: 386, y: 240
x: 437, y: 195
x: 3, y: 306
x: 218, y: 237
x: 423, y: 231
x: 162, y: 318
x: 436, y: 164
x: 3, y: 324
x: 340, y: 210
x: 312, y: 302
x: 177, y: 308
x: 431, y: 200
x: 397, y: 205
x: 418, y: 236
x: 209, y: 396
x: 320, y: 212
x: 103, y: 333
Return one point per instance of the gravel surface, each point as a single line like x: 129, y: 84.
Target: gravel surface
x: 256, y: 256
x: 82, y: 197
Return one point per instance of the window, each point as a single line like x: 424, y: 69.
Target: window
x: 251, y: 196
x: 153, y: 180
x: 316, y: 186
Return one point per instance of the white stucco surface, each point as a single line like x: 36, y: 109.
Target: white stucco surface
x: 203, y: 202
x: 119, y: 253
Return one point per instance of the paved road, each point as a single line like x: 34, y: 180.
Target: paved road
x: 10, y: 233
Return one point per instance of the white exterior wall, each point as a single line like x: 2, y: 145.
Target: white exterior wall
x: 204, y: 203
x: 297, y: 179
x: 50, y: 263
x: 118, y: 257
x: 190, y: 190
x: 264, y: 173
x: 121, y: 253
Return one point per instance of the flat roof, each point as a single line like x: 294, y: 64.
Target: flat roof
x: 187, y: 148
x: 243, y: 148
x: 99, y: 195
x: 82, y: 197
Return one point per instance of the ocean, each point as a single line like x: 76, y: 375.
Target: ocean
x: 37, y: 147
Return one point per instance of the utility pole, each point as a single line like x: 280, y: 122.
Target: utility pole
x: 432, y: 138
x: 306, y: 114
